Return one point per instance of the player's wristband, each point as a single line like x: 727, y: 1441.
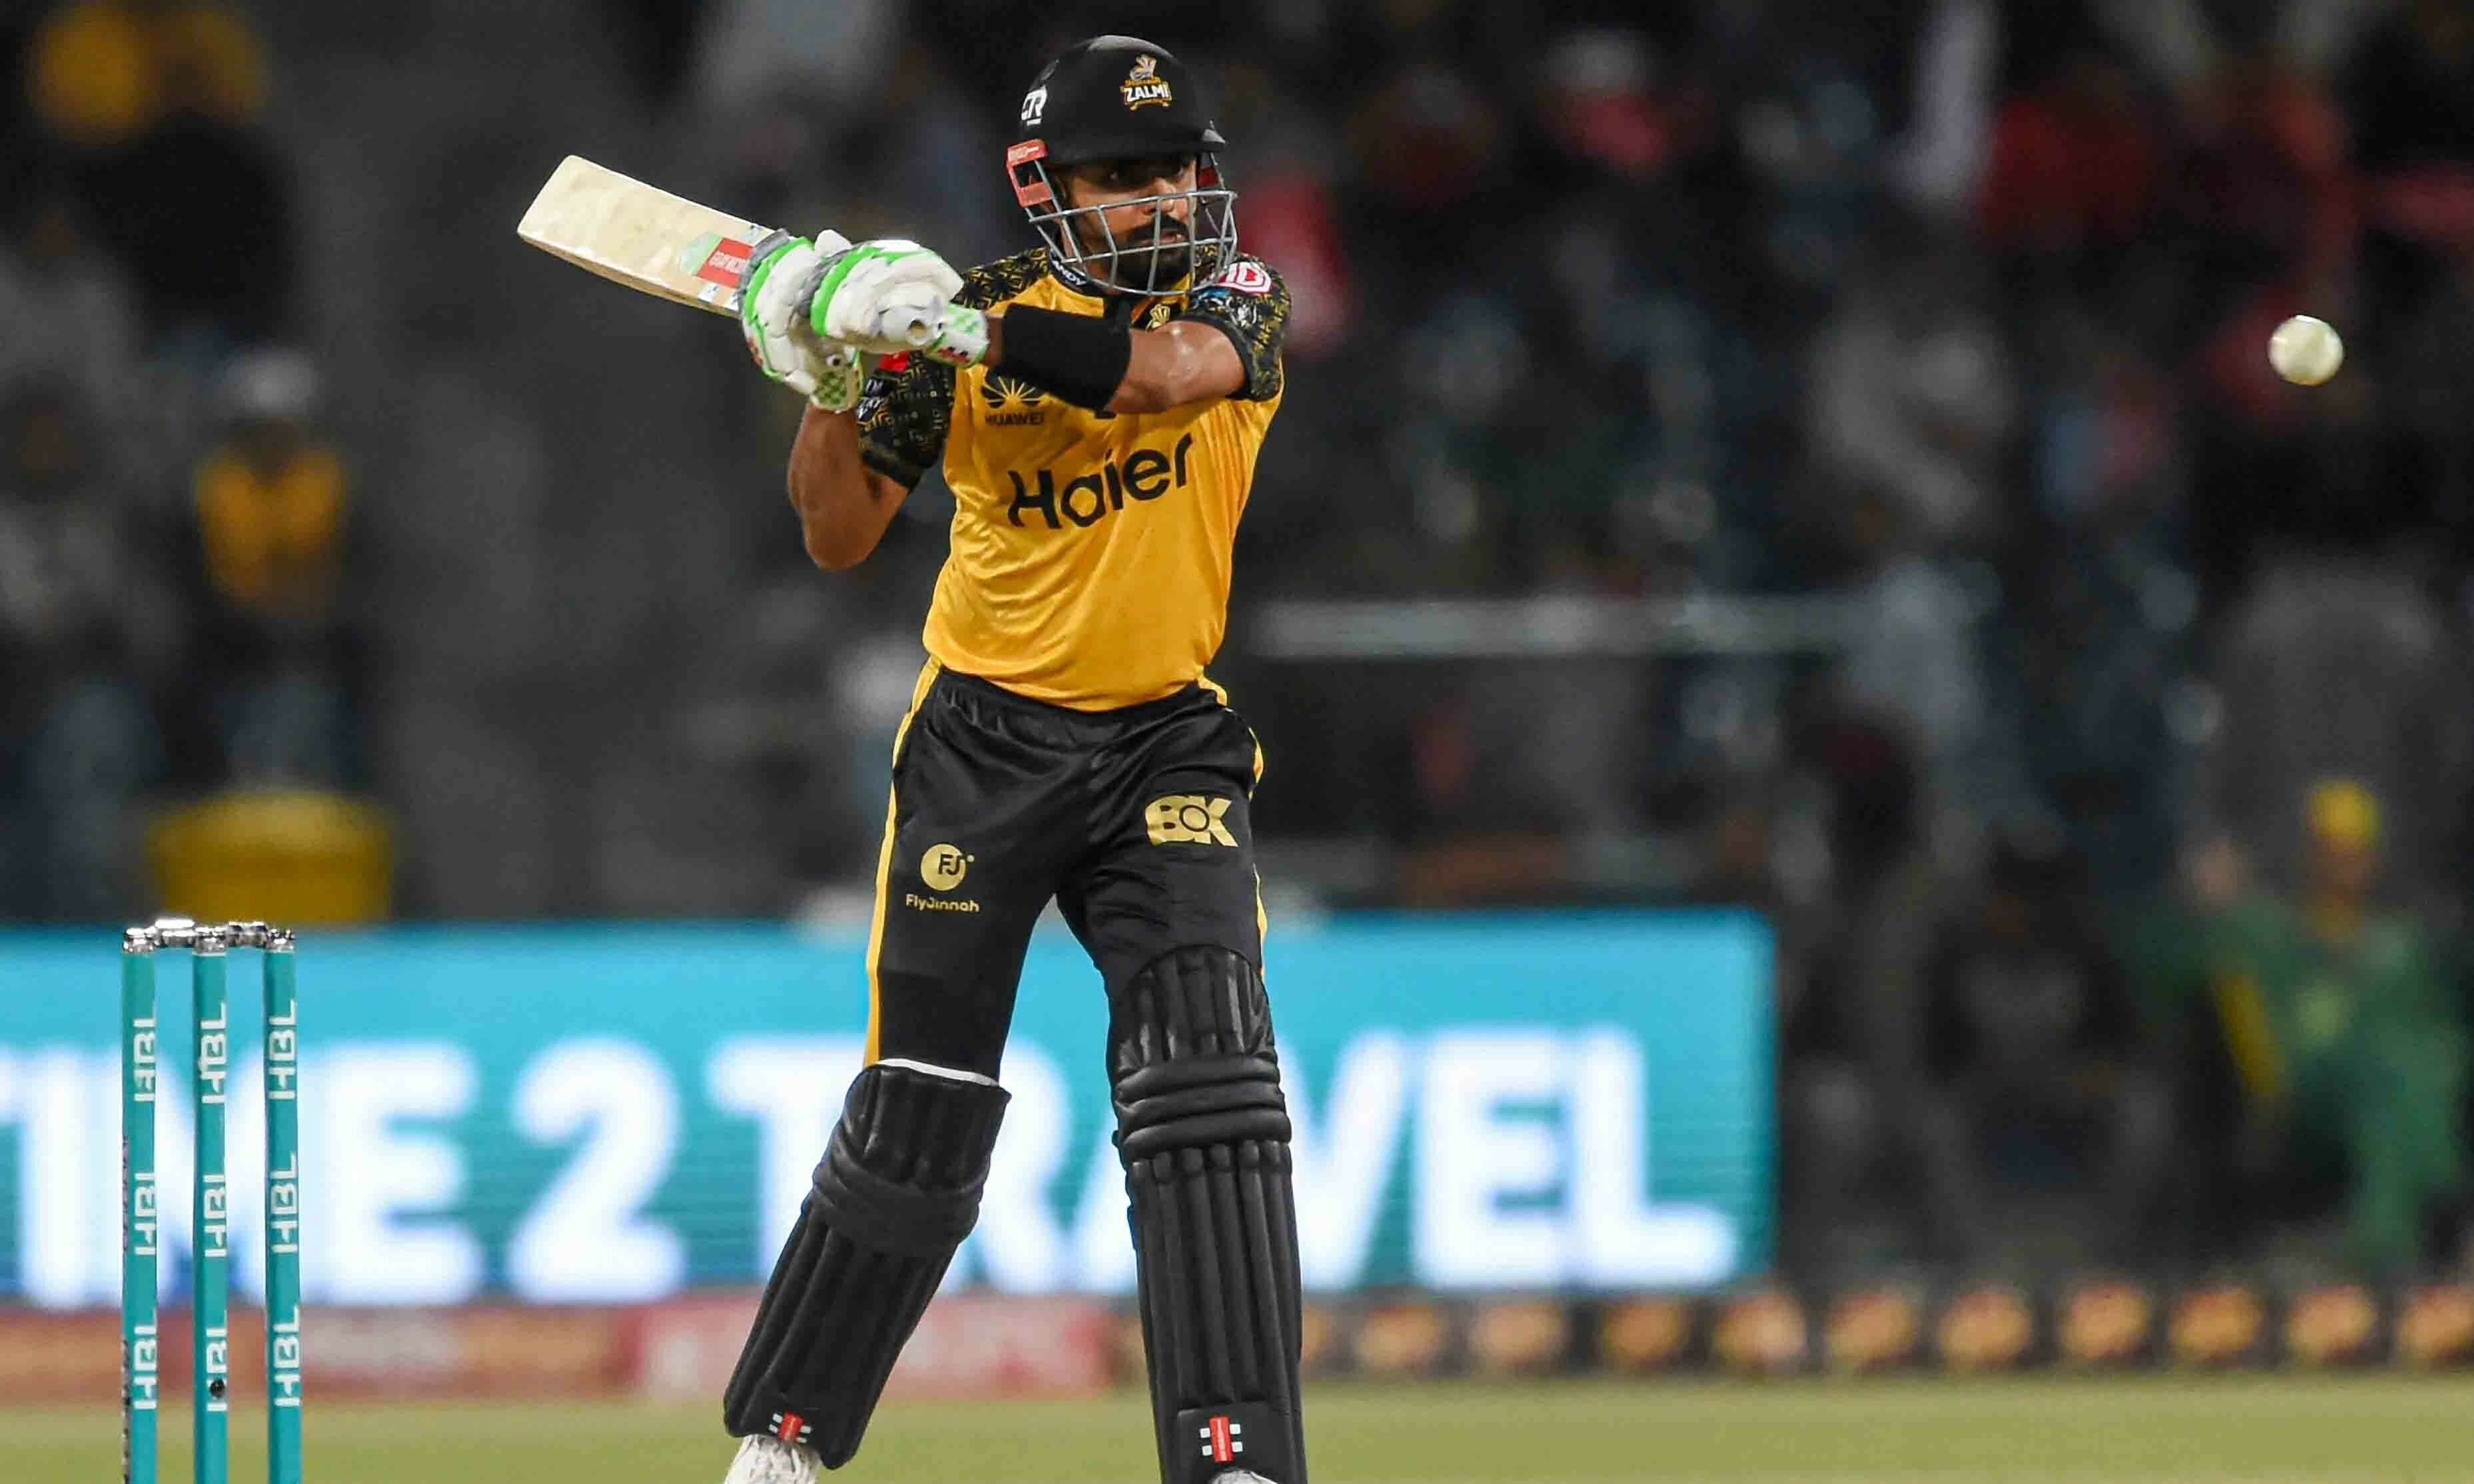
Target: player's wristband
x: 1079, y: 358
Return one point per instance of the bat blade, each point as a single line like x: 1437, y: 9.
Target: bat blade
x: 640, y: 235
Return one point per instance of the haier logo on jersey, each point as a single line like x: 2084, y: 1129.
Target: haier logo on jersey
x: 1145, y: 473
x: 1012, y: 403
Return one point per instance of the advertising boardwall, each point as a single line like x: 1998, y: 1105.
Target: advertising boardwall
x: 612, y: 1114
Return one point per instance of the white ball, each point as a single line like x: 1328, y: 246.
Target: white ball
x: 2305, y: 352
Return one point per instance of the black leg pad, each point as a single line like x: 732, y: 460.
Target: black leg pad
x: 896, y: 1193
x: 1203, y: 1133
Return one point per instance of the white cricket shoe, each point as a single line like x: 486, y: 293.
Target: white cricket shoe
x: 1238, y: 1476
x: 764, y: 1459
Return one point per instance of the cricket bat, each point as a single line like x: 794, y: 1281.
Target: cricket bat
x: 648, y: 239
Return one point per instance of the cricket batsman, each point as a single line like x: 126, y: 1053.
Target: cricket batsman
x: 1097, y: 404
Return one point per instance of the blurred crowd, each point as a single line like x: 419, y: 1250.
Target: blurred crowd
x: 2117, y: 839
x: 175, y: 536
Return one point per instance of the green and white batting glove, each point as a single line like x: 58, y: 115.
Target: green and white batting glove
x: 892, y: 295
x: 774, y: 319
x: 961, y: 336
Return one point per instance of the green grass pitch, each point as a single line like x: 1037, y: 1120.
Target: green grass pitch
x: 2149, y: 1430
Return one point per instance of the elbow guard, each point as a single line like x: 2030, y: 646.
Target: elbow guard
x: 1080, y: 358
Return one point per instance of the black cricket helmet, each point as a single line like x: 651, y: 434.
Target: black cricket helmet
x: 1123, y: 98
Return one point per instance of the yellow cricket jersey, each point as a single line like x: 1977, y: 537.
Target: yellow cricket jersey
x: 1091, y: 550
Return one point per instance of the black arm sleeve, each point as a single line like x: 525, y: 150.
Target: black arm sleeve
x: 903, y: 412
x: 1079, y: 357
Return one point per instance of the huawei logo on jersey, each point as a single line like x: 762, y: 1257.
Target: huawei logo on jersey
x: 1012, y: 403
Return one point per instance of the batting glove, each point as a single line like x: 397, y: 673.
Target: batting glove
x: 774, y: 319
x: 883, y: 296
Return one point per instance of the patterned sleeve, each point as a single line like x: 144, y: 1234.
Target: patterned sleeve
x: 903, y: 412
x: 1249, y: 304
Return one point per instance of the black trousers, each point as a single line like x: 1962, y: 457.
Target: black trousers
x: 1135, y: 820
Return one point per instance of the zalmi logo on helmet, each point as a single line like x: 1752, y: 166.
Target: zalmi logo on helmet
x: 1012, y: 403
x: 1144, y: 85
